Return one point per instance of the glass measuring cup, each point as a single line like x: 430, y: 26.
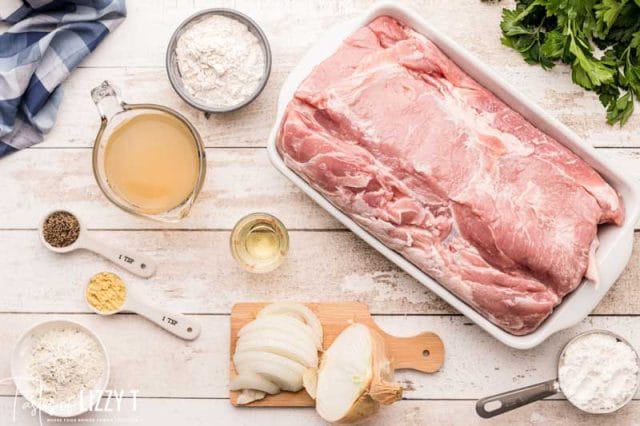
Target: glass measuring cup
x: 114, y: 114
x: 501, y: 403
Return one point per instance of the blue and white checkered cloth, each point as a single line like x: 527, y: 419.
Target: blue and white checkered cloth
x: 46, y: 40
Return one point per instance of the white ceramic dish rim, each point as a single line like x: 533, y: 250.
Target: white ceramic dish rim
x: 19, y: 378
x: 615, y: 242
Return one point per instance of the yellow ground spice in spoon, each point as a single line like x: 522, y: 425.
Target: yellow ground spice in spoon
x: 106, y: 292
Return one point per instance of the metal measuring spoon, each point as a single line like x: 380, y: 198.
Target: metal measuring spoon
x: 177, y: 324
x: 133, y: 262
x: 503, y: 402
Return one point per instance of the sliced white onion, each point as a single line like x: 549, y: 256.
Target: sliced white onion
x: 310, y: 381
x: 282, y: 371
x: 249, y: 395
x: 295, y: 309
x: 275, y: 350
x: 281, y: 343
x: 291, y: 324
x: 253, y: 381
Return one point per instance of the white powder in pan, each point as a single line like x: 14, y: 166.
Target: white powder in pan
x: 220, y: 60
x: 598, y: 373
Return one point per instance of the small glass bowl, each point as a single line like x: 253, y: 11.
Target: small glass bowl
x: 261, y: 229
x: 173, y: 70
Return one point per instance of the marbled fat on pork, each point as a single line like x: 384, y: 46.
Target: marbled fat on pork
x: 434, y: 165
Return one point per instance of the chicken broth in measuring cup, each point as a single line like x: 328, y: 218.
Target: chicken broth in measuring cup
x: 147, y: 159
x: 151, y: 160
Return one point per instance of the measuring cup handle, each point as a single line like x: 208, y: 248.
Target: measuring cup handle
x: 513, y: 399
x: 107, y: 100
x: 135, y: 263
x: 178, y: 324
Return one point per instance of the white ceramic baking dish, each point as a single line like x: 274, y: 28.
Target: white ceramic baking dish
x: 615, y: 242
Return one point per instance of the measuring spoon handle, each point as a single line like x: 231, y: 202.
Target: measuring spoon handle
x: 135, y: 263
x: 501, y: 403
x: 178, y: 324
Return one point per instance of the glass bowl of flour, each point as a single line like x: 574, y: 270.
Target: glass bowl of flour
x: 218, y: 60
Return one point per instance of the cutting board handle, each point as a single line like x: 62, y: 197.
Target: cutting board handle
x: 424, y: 352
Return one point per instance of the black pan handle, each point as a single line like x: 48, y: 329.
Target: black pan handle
x: 501, y: 403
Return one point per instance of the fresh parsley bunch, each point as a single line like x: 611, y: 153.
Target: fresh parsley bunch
x: 600, y: 39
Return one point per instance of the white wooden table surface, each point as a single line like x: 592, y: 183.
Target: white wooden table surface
x: 182, y: 383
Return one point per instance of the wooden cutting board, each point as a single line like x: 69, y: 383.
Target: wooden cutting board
x: 424, y: 352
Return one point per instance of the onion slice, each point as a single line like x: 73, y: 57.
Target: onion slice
x: 310, y: 381
x: 290, y: 324
x: 253, y: 381
x: 247, y: 396
x: 277, y: 351
x: 297, y: 310
x: 282, y: 371
x: 280, y: 343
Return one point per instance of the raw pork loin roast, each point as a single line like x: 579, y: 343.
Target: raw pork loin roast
x: 435, y: 166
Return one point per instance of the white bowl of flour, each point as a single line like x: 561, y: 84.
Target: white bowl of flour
x: 218, y: 60
x: 61, y: 368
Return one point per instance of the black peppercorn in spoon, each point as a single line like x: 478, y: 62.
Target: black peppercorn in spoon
x: 62, y: 232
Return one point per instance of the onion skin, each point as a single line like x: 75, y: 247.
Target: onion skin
x: 363, y: 408
x: 383, y: 389
x: 386, y: 393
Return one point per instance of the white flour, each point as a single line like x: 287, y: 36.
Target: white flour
x: 598, y: 373
x: 62, y: 364
x: 220, y: 60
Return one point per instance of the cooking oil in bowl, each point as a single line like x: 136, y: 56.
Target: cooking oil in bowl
x: 259, y: 242
x: 151, y: 160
